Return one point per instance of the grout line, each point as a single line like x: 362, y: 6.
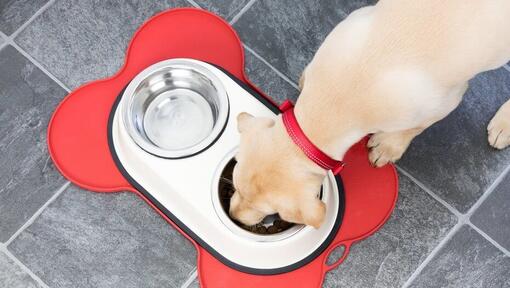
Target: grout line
x: 272, y: 67
x: 488, y: 238
x: 39, y: 12
x: 236, y: 17
x: 432, y: 194
x: 40, y: 66
x: 433, y: 253
x: 241, y: 12
x: 23, y: 267
x: 465, y: 218
x: 37, y: 213
x: 10, y: 41
x: 488, y: 192
x: 5, y: 40
x: 192, y: 2
x: 191, y: 278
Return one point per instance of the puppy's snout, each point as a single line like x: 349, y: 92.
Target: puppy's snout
x: 242, y: 213
x: 234, y: 203
x: 235, y: 210
x: 232, y: 213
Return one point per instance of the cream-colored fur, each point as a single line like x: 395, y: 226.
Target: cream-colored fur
x: 393, y: 70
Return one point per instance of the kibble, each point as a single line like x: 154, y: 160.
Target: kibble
x: 273, y: 229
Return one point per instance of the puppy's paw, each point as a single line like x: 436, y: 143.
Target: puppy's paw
x: 499, y: 130
x: 386, y: 148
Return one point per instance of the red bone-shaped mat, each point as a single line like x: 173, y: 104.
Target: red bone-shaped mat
x: 78, y: 144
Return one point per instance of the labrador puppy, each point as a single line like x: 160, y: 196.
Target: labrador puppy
x: 390, y: 70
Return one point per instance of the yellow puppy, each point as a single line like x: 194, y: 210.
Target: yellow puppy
x: 392, y: 69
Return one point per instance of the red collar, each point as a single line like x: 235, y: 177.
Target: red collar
x: 298, y: 136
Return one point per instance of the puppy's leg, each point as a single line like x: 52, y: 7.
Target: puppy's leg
x: 386, y: 147
x: 499, y: 127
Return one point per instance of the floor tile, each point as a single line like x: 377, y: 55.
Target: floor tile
x: 87, y: 239
x: 467, y: 260
x: 12, y: 276
x: 86, y: 40
x: 27, y: 175
x: 460, y: 163
x: 493, y: 216
x: 267, y: 80
x: 14, y: 13
x: 225, y: 8
x: 388, y: 258
x: 287, y: 33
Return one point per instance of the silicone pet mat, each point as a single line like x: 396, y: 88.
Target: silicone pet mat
x: 78, y: 143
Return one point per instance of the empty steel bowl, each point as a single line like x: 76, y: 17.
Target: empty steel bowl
x: 175, y: 108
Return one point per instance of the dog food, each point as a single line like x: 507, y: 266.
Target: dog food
x: 272, y: 224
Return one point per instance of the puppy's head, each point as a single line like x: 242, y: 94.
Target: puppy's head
x: 270, y: 177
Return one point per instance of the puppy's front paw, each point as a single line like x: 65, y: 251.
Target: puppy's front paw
x: 386, y: 148
x: 499, y: 130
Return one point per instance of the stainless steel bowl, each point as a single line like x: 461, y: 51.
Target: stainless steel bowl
x: 175, y: 108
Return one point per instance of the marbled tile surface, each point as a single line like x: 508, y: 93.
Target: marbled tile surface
x: 460, y: 164
x: 224, y: 8
x: 28, y: 177
x: 467, y: 260
x: 267, y: 80
x: 194, y: 284
x: 287, y: 33
x: 84, y: 239
x: 87, y: 239
x: 14, y: 13
x: 493, y: 216
x: 11, y: 275
x: 388, y: 258
x: 86, y: 40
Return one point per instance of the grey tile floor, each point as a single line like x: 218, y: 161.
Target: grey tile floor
x: 451, y: 226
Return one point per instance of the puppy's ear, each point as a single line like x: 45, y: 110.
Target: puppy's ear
x: 313, y: 212
x: 307, y: 211
x: 244, y: 121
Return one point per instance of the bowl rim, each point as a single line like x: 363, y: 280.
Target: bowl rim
x: 177, y: 63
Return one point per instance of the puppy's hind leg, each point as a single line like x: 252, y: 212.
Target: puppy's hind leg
x: 499, y: 128
x: 386, y: 147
